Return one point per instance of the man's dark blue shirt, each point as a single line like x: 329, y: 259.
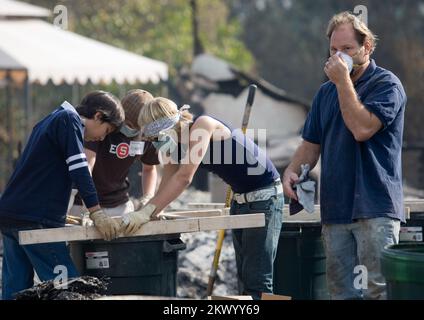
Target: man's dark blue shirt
x: 360, y: 179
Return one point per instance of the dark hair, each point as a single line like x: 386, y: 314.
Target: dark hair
x: 104, y: 102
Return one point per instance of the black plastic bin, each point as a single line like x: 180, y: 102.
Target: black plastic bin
x: 299, y: 267
x: 135, y: 266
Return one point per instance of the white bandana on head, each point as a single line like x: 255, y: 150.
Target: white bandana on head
x: 153, y: 128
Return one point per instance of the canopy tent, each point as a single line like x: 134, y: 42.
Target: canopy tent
x: 17, y: 9
x: 8, y: 63
x: 34, y: 51
x: 11, y: 71
x: 49, y: 52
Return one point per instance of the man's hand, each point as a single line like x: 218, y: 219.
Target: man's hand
x: 336, y: 70
x: 289, y: 179
x: 131, y: 222
x: 107, y: 226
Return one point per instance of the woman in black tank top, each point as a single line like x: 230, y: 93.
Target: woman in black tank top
x: 183, y: 146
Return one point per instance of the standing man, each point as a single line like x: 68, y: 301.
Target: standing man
x: 38, y: 191
x: 356, y: 125
x: 110, y: 161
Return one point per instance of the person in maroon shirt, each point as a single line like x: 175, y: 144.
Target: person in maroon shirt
x: 110, y: 161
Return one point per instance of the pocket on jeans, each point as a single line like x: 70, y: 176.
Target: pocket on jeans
x: 264, y: 206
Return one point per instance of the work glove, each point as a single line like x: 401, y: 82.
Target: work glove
x: 145, y: 199
x: 107, y: 226
x: 86, y: 221
x: 132, y: 221
x: 140, y: 203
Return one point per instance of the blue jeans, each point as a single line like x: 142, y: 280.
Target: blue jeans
x: 19, y: 262
x: 353, y: 254
x: 256, y: 248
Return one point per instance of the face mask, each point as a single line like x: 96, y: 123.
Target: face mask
x: 346, y: 58
x: 129, y: 132
x: 165, y: 144
x: 349, y: 59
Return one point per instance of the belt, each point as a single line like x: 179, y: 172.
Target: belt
x: 260, y: 194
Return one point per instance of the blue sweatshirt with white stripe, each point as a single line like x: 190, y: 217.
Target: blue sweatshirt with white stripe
x: 53, y: 161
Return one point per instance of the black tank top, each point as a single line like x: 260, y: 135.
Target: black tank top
x: 239, y: 162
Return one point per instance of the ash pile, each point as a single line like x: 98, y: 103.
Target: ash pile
x: 194, y: 266
x: 194, y: 263
x: 80, y: 288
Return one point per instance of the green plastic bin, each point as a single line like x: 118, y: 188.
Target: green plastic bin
x: 403, y: 267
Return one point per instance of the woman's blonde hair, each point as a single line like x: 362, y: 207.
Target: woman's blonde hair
x: 361, y: 30
x: 159, y: 108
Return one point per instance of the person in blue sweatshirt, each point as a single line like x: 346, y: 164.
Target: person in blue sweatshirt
x: 38, y: 191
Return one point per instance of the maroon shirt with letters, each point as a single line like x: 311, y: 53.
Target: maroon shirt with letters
x: 114, y: 157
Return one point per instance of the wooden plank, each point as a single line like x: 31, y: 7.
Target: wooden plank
x: 269, y: 296
x: 302, y: 215
x: 195, y: 214
x: 191, y: 214
x: 411, y: 207
x: 79, y: 233
x: 205, y: 205
x: 232, y: 222
x: 187, y: 222
x: 415, y: 205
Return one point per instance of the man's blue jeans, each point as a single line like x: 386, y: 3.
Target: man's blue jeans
x: 256, y: 248
x: 19, y: 262
x: 353, y: 254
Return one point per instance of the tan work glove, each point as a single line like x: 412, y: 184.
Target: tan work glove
x: 107, y: 226
x: 132, y: 221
